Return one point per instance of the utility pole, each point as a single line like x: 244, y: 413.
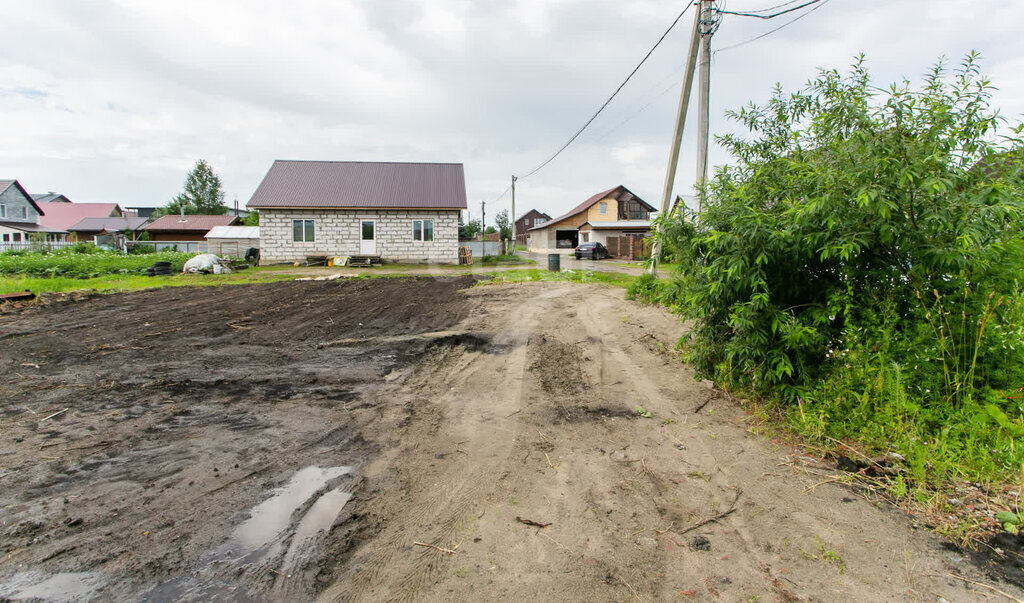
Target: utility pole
x: 708, y: 25
x: 483, y: 227
x: 677, y: 136
x: 514, y: 239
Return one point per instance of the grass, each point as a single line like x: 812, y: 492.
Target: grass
x: 616, y: 279
x: 84, y: 261
x: 115, y: 283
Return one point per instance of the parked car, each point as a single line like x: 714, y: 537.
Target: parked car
x: 591, y: 251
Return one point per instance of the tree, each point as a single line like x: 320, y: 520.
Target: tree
x: 490, y: 230
x: 503, y: 224
x: 852, y: 220
x: 253, y: 219
x: 202, y: 193
x: 473, y: 228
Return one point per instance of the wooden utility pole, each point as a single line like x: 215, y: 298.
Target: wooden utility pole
x: 483, y: 227
x: 514, y: 239
x: 677, y: 136
x: 707, y: 25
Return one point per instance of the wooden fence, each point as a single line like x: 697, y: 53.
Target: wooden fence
x: 629, y: 247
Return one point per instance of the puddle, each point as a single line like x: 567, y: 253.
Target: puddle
x: 260, y: 536
x: 36, y: 586
x: 318, y: 519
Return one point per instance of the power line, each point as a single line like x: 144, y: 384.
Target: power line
x: 770, y: 32
x: 617, y: 90
x: 771, y: 8
x: 771, y: 16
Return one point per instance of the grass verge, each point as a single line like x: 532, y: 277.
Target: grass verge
x: 114, y: 283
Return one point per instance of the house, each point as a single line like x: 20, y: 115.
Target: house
x: 189, y: 227
x: 397, y: 212
x: 527, y: 221
x: 232, y: 241
x: 50, y: 197
x: 103, y: 231
x: 19, y: 217
x: 63, y: 215
x: 612, y: 213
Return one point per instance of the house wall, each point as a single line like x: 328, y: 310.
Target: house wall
x: 15, y: 201
x: 10, y: 232
x: 594, y: 212
x: 337, y: 233
x: 176, y: 235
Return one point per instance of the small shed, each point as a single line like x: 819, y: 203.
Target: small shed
x: 233, y: 240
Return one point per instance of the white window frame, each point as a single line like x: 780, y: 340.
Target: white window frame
x: 602, y: 208
x: 421, y: 225
x: 3, y: 211
x: 311, y: 232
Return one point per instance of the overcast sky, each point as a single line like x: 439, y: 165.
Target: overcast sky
x: 116, y: 100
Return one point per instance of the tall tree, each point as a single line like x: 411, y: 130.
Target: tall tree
x: 202, y: 194
x: 503, y: 224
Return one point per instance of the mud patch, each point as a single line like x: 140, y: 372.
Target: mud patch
x: 580, y: 413
x: 34, y: 586
x: 558, y: 366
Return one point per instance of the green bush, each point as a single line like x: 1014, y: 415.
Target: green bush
x: 84, y: 261
x: 859, y: 259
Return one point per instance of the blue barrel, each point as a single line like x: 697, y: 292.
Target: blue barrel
x: 554, y: 264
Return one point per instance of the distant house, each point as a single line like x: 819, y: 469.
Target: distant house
x: 50, y: 197
x: 189, y: 227
x: 102, y: 231
x: 527, y: 221
x: 232, y: 241
x: 19, y: 217
x: 63, y: 215
x: 612, y: 213
x: 400, y: 212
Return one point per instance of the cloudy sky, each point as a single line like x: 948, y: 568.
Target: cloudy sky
x: 115, y: 100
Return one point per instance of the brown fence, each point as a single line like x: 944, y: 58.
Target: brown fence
x: 629, y: 247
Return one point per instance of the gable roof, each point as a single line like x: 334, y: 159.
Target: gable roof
x: 6, y: 184
x: 50, y: 197
x: 65, y: 215
x: 192, y: 222
x: 531, y: 212
x: 358, y: 184
x: 108, y: 224
x: 582, y: 207
x: 234, y: 232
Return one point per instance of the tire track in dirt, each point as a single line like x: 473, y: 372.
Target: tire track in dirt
x: 476, y: 413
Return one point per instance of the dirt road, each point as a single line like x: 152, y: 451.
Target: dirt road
x: 401, y: 439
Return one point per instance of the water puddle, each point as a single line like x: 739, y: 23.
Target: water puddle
x: 260, y: 536
x: 319, y: 518
x: 69, y: 586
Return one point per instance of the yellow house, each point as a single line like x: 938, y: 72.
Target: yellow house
x: 611, y: 213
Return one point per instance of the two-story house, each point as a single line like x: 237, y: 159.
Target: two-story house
x: 19, y: 217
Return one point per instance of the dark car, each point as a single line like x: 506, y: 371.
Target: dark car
x: 591, y: 251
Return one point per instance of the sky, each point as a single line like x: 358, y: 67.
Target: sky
x: 115, y: 100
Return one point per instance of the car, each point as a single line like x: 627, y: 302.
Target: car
x: 591, y: 251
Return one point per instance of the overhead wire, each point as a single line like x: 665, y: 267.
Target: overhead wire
x: 771, y: 8
x: 771, y: 16
x: 609, y: 100
x: 820, y: 3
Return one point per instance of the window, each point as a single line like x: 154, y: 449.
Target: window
x: 302, y: 231
x: 422, y: 230
x: 602, y: 207
x: 3, y: 211
x: 539, y: 221
x: 24, y: 213
x: 17, y: 237
x: 7, y: 237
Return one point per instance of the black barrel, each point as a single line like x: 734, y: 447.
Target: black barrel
x: 554, y: 263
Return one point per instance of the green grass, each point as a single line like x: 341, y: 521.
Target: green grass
x: 616, y: 279
x: 113, y: 283
x: 505, y: 259
x: 84, y: 261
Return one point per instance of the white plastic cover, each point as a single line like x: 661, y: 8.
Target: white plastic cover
x: 205, y: 261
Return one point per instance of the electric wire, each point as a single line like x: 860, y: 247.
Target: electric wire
x: 771, y: 16
x: 770, y: 32
x: 614, y: 94
x: 771, y: 8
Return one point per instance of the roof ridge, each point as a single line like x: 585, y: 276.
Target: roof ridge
x: 368, y: 162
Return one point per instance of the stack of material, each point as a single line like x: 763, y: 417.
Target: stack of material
x: 465, y: 256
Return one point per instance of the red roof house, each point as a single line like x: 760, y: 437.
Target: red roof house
x: 190, y: 227
x: 62, y: 216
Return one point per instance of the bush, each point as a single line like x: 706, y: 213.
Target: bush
x: 860, y: 260
x: 84, y: 262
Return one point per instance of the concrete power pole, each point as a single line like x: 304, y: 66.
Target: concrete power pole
x: 514, y: 239
x: 483, y: 227
x: 708, y: 23
x: 677, y: 136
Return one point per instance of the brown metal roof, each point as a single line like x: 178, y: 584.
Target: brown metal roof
x: 618, y: 190
x: 357, y: 184
x: 192, y: 222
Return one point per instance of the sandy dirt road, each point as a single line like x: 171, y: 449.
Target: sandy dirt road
x: 394, y: 440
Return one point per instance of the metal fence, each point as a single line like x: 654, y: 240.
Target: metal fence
x: 33, y: 245
x: 481, y: 248
x: 187, y: 246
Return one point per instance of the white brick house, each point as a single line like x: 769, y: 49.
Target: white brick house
x: 400, y: 212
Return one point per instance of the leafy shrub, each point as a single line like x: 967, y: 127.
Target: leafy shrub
x: 84, y: 262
